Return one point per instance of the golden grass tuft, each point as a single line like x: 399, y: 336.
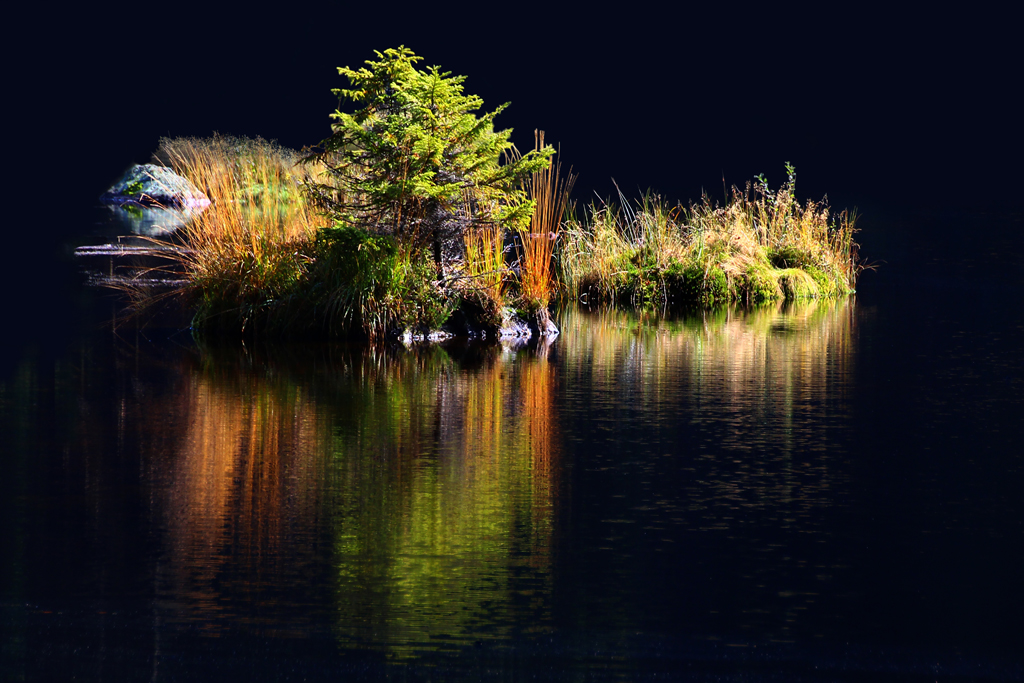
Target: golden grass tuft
x: 485, y: 257
x: 248, y: 245
x: 550, y: 193
x: 759, y: 240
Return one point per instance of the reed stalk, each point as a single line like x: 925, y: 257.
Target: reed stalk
x: 485, y: 255
x: 550, y: 193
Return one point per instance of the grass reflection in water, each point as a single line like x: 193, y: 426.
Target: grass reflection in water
x: 431, y: 480
x: 755, y: 367
x: 709, y: 451
x: 407, y: 497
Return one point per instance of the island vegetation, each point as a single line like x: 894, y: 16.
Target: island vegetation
x: 416, y: 215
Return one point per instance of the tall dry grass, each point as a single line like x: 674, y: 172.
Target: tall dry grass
x: 792, y: 235
x: 550, y: 193
x: 761, y: 245
x: 485, y: 261
x: 598, y: 251
x: 255, y: 189
x: 252, y: 242
x: 484, y: 256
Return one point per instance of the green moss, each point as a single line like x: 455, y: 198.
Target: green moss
x: 759, y: 285
x: 798, y: 284
x: 693, y: 285
x: 641, y: 283
x: 716, y: 286
x: 132, y: 188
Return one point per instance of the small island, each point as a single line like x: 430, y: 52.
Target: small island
x: 417, y: 219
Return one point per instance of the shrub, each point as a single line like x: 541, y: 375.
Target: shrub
x: 368, y: 282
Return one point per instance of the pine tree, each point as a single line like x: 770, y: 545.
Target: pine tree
x: 415, y: 161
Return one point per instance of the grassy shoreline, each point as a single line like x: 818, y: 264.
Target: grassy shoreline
x: 761, y: 246
x: 417, y: 215
x: 262, y: 260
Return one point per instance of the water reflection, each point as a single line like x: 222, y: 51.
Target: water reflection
x: 639, y: 474
x: 243, y: 494
x: 717, y: 444
x: 421, y: 485
x: 751, y: 369
x: 150, y: 221
x: 429, y: 480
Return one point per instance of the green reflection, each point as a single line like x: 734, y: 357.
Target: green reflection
x: 443, y: 527
x: 762, y: 360
x: 430, y: 479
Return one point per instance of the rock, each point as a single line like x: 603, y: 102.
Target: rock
x: 408, y: 337
x: 513, y: 327
x: 152, y: 222
x: 151, y: 186
x: 541, y: 324
x: 514, y: 332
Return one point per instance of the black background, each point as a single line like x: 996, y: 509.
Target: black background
x: 869, y: 105
x: 913, y: 118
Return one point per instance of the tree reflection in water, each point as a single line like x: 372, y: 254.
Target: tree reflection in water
x: 412, y: 500
x: 421, y: 484
x: 430, y: 479
x: 643, y: 486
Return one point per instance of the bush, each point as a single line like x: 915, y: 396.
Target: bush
x: 367, y: 282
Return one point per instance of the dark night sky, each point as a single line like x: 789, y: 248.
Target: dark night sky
x: 880, y: 110
x: 870, y: 106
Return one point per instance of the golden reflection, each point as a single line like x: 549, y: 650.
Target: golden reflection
x: 246, y: 468
x: 758, y: 391
x: 738, y: 348
x: 429, y: 480
x: 763, y: 358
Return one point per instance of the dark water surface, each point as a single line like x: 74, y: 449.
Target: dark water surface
x: 824, y: 491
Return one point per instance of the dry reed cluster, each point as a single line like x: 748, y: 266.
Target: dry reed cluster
x: 550, y: 194
x: 246, y: 251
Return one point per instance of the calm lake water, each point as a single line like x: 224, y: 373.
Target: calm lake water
x: 821, y: 491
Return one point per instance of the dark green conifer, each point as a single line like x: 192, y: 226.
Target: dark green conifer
x: 415, y: 161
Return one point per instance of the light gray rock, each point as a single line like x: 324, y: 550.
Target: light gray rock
x: 513, y: 327
x: 152, y: 186
x: 542, y: 324
x: 152, y: 222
